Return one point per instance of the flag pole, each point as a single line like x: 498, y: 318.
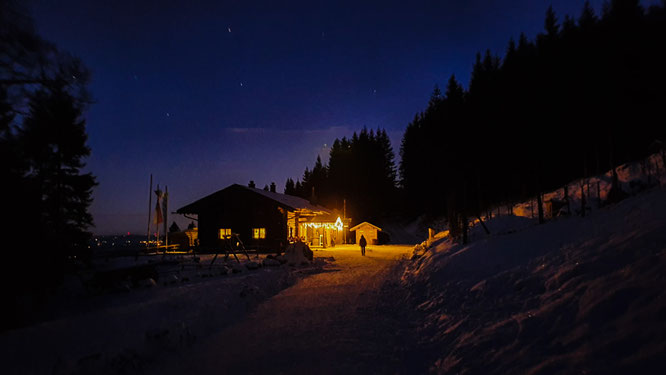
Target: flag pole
x: 166, y: 215
x: 157, y: 223
x: 150, y: 208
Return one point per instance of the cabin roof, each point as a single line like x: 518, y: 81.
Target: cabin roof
x: 289, y: 202
x: 364, y: 223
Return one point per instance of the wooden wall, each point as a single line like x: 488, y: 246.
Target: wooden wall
x: 242, y: 210
x: 369, y: 232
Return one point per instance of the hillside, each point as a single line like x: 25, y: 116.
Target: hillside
x: 575, y: 295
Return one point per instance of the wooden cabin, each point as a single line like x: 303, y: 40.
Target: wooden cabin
x: 263, y: 219
x: 367, y: 230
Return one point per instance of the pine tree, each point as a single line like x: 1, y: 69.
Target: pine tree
x: 587, y: 17
x: 550, y: 25
x: 568, y: 26
x: 54, y: 139
x: 12, y: 166
x: 174, y: 228
x: 306, y: 185
x: 387, y: 159
x: 340, y: 169
x: 435, y: 97
x: 298, y: 188
x: 290, y: 187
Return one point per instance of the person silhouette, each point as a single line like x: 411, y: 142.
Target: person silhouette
x: 363, y: 243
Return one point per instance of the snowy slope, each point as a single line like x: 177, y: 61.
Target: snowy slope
x: 576, y: 295
x: 125, y: 332
x: 633, y: 177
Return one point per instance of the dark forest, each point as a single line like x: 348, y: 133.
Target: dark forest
x: 582, y: 97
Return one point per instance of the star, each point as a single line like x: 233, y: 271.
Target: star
x: 241, y: 84
x: 229, y: 28
x: 168, y: 114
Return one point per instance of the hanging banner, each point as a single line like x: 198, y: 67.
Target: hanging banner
x: 158, y: 207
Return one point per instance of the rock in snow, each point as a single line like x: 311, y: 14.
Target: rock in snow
x: 295, y: 253
x: 270, y: 262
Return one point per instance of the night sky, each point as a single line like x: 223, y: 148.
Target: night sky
x: 206, y: 94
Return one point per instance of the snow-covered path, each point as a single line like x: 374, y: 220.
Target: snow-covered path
x: 337, y: 321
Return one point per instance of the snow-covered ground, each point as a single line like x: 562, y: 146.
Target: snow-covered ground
x: 333, y: 322
x: 320, y: 318
x: 633, y: 177
x: 123, y: 328
x: 575, y: 295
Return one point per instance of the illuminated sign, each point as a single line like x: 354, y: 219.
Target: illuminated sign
x: 338, y: 223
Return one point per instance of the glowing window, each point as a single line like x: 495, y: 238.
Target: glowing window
x: 224, y: 232
x: 258, y: 233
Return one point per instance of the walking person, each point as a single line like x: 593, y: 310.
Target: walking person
x: 362, y: 242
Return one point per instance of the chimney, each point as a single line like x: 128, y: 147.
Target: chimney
x: 272, y: 187
x: 313, y: 197
x: 251, y: 184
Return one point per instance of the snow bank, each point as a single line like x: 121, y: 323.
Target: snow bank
x: 577, y: 295
x: 500, y: 225
x: 128, y: 332
x: 633, y: 177
x: 295, y: 253
x: 125, y: 332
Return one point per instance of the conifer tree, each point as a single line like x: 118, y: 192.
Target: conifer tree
x: 594, y: 84
x: 551, y: 26
x: 54, y: 140
x: 290, y: 187
x: 174, y: 228
x: 587, y: 17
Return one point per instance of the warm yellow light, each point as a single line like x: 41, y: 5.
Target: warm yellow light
x: 224, y: 232
x: 258, y: 233
x: 338, y: 223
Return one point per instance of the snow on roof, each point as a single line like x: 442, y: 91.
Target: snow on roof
x: 365, y: 223
x: 288, y: 201
x: 296, y: 203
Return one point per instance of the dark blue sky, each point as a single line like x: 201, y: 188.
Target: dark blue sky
x: 206, y: 94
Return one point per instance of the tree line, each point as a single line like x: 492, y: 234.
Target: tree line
x: 43, y: 93
x: 360, y: 176
x: 582, y: 97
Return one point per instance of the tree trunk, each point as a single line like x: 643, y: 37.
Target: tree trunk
x: 479, y: 194
x: 485, y: 228
x: 582, y: 198
x: 663, y: 166
x: 463, y: 223
x: 531, y: 209
x: 566, y: 199
x: 538, y: 189
x: 610, y: 152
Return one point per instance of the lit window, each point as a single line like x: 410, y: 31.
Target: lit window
x: 224, y: 232
x: 258, y: 233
